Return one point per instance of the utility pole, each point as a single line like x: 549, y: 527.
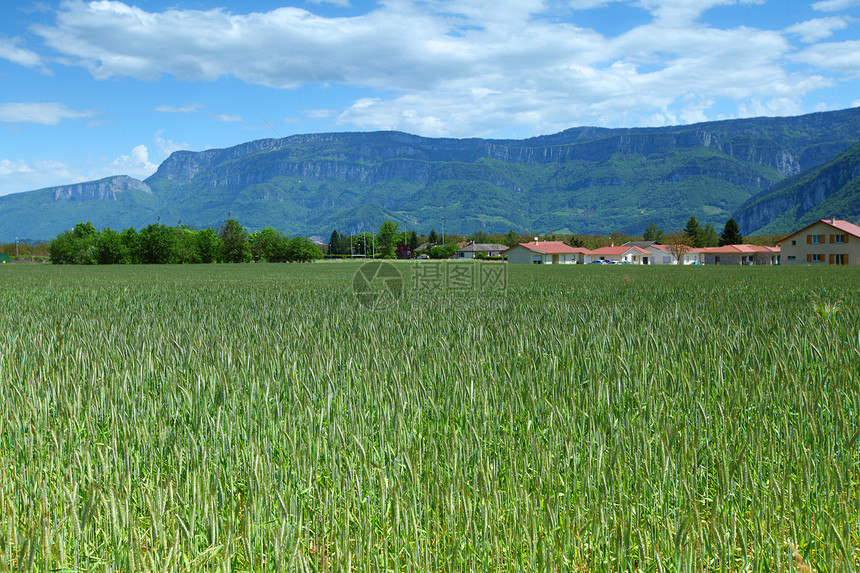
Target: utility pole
x: 443, y: 231
x: 16, y: 247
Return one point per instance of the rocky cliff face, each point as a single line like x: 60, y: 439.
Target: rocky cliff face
x: 105, y: 189
x: 377, y: 157
x: 803, y: 192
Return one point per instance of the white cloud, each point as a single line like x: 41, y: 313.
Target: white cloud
x: 456, y: 67
x: 814, y: 30
x: 590, y: 4
x: 341, y: 3
x: 166, y: 146
x: 9, y: 50
x: 842, y: 57
x: 227, y: 118
x: 193, y: 108
x: 8, y: 167
x: 135, y: 164
x: 320, y: 113
x: 19, y: 175
x: 40, y: 113
x: 834, y: 5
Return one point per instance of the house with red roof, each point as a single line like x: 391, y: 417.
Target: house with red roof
x: 629, y: 254
x: 741, y: 255
x: 545, y: 253
x: 825, y: 242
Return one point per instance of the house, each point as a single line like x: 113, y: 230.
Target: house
x: 544, y: 253
x: 489, y: 249
x: 661, y: 254
x: 656, y: 252
x: 623, y: 254
x: 825, y: 242
x: 741, y: 255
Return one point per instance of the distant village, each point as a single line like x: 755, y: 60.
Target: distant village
x: 824, y: 242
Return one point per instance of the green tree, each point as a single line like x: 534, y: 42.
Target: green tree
x: 512, y: 239
x: 694, y: 233
x: 76, y: 247
x: 480, y: 237
x: 61, y: 249
x: 131, y: 247
x: 208, y: 246
x: 234, y: 242
x: 617, y: 238
x: 387, y: 238
x: 338, y: 244
x: 159, y: 245
x: 432, y: 238
x: 274, y: 246
x: 363, y: 244
x: 652, y: 233
x: 443, y: 251
x: 731, y: 234
x: 576, y: 242
x: 186, y: 239
x: 302, y: 250
x: 413, y: 240
x: 709, y: 236
x: 109, y: 249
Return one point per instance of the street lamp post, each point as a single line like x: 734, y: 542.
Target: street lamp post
x: 443, y: 231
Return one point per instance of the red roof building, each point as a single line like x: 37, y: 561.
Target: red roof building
x: 544, y: 253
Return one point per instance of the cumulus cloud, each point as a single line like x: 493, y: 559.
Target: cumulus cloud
x: 166, y: 146
x: 457, y: 67
x: 40, y: 113
x: 137, y: 162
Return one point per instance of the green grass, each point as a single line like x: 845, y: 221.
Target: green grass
x: 256, y: 417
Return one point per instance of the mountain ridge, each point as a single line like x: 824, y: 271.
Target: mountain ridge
x: 584, y: 179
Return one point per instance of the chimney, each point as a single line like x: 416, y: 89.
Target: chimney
x: 832, y: 220
x: 536, y: 240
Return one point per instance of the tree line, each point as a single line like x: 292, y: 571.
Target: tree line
x: 160, y: 244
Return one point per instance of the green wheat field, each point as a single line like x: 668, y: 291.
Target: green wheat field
x: 258, y: 418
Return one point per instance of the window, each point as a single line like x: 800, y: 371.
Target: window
x: 667, y: 260
x: 537, y: 260
x: 716, y: 260
x: 840, y: 239
x: 840, y: 260
x: 817, y: 239
x: 792, y: 258
x: 794, y: 244
x: 817, y: 258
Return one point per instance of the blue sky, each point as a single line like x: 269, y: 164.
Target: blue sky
x: 92, y: 89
